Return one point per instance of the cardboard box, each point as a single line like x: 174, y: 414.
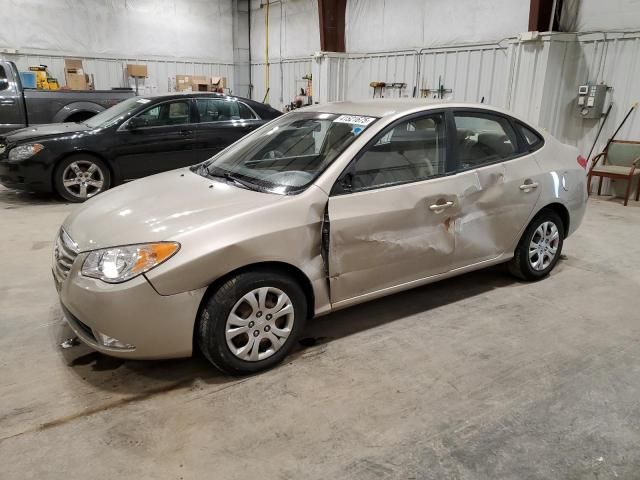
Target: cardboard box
x: 218, y: 83
x: 74, y: 75
x: 76, y: 82
x: 183, y: 83
x: 134, y: 70
x: 200, y: 83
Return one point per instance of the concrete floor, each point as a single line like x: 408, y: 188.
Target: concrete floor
x: 478, y: 377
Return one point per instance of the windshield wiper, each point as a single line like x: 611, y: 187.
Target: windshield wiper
x: 230, y: 178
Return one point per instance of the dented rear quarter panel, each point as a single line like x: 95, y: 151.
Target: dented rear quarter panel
x: 565, y: 181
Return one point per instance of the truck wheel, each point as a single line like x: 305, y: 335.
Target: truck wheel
x: 81, y: 176
x: 79, y: 116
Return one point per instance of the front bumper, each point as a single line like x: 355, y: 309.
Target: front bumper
x: 155, y: 326
x: 34, y: 174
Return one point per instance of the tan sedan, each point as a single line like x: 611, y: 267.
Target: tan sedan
x: 322, y: 208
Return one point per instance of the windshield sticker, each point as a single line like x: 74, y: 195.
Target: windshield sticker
x: 357, y: 130
x: 143, y: 100
x: 354, y: 119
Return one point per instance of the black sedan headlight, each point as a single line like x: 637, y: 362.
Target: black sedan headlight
x: 22, y: 152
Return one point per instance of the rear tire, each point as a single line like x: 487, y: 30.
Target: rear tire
x: 81, y: 176
x: 251, y: 322
x: 539, y: 248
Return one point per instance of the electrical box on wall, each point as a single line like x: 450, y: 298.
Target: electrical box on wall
x: 590, y: 102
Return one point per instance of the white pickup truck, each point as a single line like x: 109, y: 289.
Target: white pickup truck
x: 24, y: 107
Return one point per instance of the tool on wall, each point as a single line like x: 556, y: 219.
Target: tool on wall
x: 604, y: 120
x: 435, y: 93
x: 633, y: 107
x: 379, y: 87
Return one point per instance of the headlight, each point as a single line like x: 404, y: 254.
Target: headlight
x: 22, y: 152
x: 119, y: 264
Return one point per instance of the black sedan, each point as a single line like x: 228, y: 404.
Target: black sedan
x: 137, y: 137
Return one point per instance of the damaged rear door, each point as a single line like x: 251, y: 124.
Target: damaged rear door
x: 390, y: 213
x: 499, y: 185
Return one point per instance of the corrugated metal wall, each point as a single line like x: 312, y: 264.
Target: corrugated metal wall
x: 110, y: 72
x: 471, y: 72
x: 536, y: 80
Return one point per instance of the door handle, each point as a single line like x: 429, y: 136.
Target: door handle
x: 7, y: 101
x: 528, y: 186
x: 438, y: 207
x: 185, y: 132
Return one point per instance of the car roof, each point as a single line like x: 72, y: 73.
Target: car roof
x: 178, y: 95
x: 385, y: 107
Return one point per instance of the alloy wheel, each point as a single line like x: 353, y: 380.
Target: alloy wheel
x: 83, y: 179
x: 259, y: 324
x: 543, y: 247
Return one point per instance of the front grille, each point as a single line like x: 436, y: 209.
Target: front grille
x: 3, y: 147
x: 65, y: 252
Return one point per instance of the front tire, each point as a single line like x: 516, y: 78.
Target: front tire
x: 539, y: 248
x: 251, y: 322
x: 81, y: 176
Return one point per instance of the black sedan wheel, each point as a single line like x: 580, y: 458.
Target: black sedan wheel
x: 80, y: 177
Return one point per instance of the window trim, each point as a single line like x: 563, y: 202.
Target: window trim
x: 256, y: 117
x: 338, y: 188
x: 525, y: 143
x: 189, y: 100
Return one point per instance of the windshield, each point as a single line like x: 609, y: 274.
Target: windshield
x: 289, y: 153
x: 108, y: 117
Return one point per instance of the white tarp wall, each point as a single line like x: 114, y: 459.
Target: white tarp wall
x: 170, y: 36
x: 607, y: 15
x: 375, y: 25
x: 294, y: 35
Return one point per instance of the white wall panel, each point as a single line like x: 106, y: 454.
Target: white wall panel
x: 198, y: 29
x: 471, y: 72
x: 607, y: 15
x: 373, y: 25
x: 294, y: 29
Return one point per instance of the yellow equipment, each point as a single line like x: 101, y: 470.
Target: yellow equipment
x: 44, y: 81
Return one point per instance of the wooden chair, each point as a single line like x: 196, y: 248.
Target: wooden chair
x: 620, y: 161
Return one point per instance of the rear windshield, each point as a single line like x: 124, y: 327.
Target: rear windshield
x: 289, y: 153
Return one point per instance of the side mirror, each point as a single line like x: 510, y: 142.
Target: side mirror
x: 4, y: 83
x: 136, y: 123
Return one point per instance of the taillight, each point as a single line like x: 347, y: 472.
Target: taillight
x: 582, y: 161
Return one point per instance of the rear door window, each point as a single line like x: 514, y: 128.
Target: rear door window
x: 483, y: 139
x: 220, y: 110
x: 4, y: 84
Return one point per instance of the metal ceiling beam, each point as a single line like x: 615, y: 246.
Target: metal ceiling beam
x: 332, y: 15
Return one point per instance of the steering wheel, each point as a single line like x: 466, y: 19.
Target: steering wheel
x: 272, y: 154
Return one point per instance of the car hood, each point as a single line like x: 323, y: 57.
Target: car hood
x: 42, y: 131
x: 167, y: 206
